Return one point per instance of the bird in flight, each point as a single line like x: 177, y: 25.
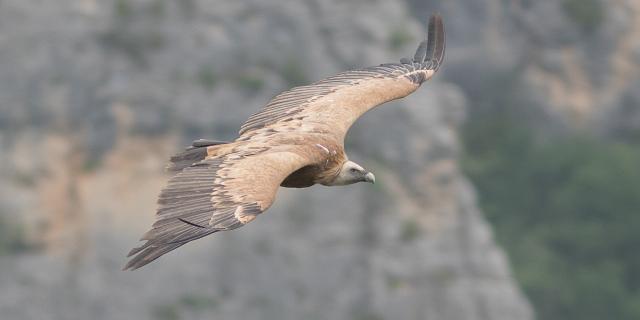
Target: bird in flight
x: 296, y: 141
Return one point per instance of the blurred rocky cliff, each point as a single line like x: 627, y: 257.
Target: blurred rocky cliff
x: 96, y: 95
x: 571, y: 65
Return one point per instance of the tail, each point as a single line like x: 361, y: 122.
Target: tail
x: 197, y: 152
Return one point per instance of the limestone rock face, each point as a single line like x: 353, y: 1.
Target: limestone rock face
x: 572, y: 65
x: 96, y: 95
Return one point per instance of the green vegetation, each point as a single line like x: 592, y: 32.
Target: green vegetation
x: 92, y: 163
x: 293, y: 73
x: 12, y: 238
x: 198, y: 302
x: 250, y: 82
x: 25, y: 178
x: 399, y: 38
x: 187, y: 302
x: 368, y: 316
x: 394, y: 282
x: 444, y: 277
x: 588, y: 14
x: 158, y: 9
x: 134, y: 44
x: 568, y: 213
x: 207, y: 78
x: 410, y: 230
x: 166, y: 312
x: 134, y: 41
x: 123, y: 9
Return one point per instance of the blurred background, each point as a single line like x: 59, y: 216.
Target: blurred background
x: 509, y: 186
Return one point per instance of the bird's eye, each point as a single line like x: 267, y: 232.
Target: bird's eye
x: 353, y: 170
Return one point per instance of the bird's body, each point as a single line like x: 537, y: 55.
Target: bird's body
x: 296, y: 141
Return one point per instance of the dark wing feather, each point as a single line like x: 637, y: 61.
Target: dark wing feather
x: 197, y: 152
x: 217, y: 194
x: 351, y: 93
x: 436, y: 44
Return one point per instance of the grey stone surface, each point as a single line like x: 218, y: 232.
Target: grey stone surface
x: 95, y: 95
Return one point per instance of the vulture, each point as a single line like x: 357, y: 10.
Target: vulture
x: 295, y: 141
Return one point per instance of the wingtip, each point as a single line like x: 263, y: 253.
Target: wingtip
x: 136, y: 261
x: 149, y: 252
x: 436, y: 40
x: 435, y: 20
x: 129, y: 266
x: 432, y: 50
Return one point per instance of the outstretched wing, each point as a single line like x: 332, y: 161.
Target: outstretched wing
x: 334, y: 104
x: 220, y: 193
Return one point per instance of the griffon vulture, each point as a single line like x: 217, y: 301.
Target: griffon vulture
x: 296, y: 141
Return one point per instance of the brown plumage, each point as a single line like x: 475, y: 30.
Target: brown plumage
x: 296, y: 141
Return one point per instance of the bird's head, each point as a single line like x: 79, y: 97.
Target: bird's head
x: 352, y: 172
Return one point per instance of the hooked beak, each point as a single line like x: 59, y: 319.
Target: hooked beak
x: 369, y: 177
